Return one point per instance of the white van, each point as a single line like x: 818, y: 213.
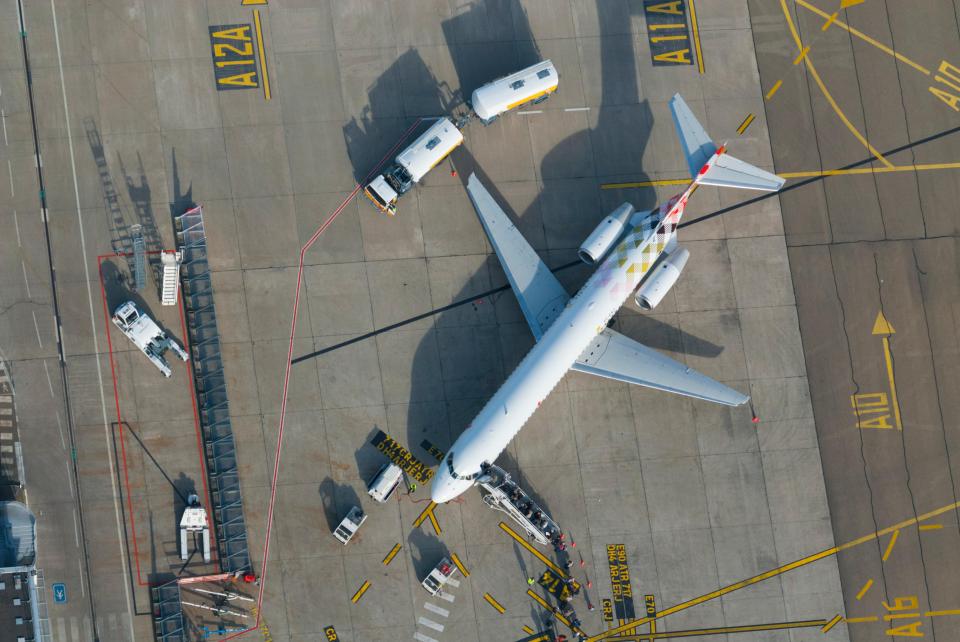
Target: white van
x: 531, y: 85
x: 412, y: 164
x: 385, y: 482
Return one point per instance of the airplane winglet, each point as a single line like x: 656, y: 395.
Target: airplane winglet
x: 725, y: 170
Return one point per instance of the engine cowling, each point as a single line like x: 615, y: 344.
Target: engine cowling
x: 605, y: 235
x: 658, y: 283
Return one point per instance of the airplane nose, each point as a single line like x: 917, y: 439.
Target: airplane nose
x: 445, y: 488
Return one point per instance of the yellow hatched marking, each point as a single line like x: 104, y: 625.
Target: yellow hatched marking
x: 526, y: 629
x: 360, y: 591
x: 393, y: 553
x: 890, y: 544
x: 492, y: 602
x: 863, y: 591
x: 774, y: 89
x: 459, y: 565
x: 746, y: 123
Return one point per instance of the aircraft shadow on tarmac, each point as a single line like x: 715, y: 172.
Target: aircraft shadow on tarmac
x: 470, y: 350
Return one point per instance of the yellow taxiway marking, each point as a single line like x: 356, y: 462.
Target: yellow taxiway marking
x: 360, y: 591
x: 261, y: 54
x: 823, y: 88
x: 858, y: 620
x: 863, y: 591
x: 524, y: 543
x: 939, y: 613
x: 859, y: 34
x: 882, y: 326
x: 720, y: 630
x: 931, y: 527
x: 832, y: 623
x: 746, y: 123
x: 923, y: 167
x: 890, y: 544
x: 696, y: 35
x: 774, y: 89
x: 492, y: 602
x: 777, y: 571
x: 459, y: 565
x: 393, y: 553
x: 428, y: 514
x: 830, y: 21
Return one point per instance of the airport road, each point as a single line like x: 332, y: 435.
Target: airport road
x: 883, y: 388
x: 140, y: 113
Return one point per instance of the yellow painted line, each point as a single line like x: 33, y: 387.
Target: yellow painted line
x: 393, y: 553
x: 849, y: 3
x: 526, y: 629
x: 779, y: 571
x: 720, y: 630
x: 859, y: 34
x: 858, y: 620
x: 434, y: 523
x: 261, y: 55
x: 823, y: 88
x: 428, y: 513
x: 539, y: 600
x: 939, y: 613
x: 696, y: 35
x: 746, y: 123
x: 492, y: 602
x: 931, y: 527
x: 533, y: 551
x: 889, y: 549
x: 774, y: 89
x: 360, y: 591
x: 672, y: 181
x: 802, y: 56
x: 832, y: 623
x: 459, y: 564
x: 830, y: 21
x: 672, y: 25
x: 863, y: 591
x: 249, y: 2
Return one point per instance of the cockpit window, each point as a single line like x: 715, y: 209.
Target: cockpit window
x: 453, y: 473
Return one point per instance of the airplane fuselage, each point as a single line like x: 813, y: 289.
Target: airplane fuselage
x: 583, y: 318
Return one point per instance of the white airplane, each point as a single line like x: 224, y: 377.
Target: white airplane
x: 636, y: 248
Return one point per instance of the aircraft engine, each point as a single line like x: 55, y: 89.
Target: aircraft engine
x: 605, y: 236
x: 661, y: 279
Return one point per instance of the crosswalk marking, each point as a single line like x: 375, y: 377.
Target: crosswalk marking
x: 446, y: 596
x: 452, y: 582
x: 436, y: 609
x: 423, y: 638
x: 430, y: 624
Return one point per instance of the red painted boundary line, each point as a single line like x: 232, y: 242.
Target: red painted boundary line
x: 286, y: 376
x: 120, y: 427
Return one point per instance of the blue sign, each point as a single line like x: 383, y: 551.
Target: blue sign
x: 60, y: 593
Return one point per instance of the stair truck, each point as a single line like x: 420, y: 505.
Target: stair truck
x: 147, y: 335
x: 531, y: 85
x: 412, y: 164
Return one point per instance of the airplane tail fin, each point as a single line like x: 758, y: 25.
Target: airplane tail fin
x: 710, y: 165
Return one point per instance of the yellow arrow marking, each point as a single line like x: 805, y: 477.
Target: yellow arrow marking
x: 882, y: 326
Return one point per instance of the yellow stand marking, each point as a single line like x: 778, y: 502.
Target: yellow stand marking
x: 939, y: 613
x: 360, y: 591
x: 882, y: 326
x: 696, y: 35
x: 858, y: 620
x: 428, y: 514
x: 931, y: 527
x: 774, y: 89
x: 779, y: 571
x: 832, y: 623
x: 393, y: 553
x: 260, y: 52
x: 859, y: 34
x: 863, y: 591
x: 830, y: 21
x: 459, y: 565
x: 524, y: 543
x: 889, y: 549
x: 492, y: 602
x: 823, y: 88
x: 746, y: 123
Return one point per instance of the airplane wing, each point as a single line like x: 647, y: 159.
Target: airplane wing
x: 540, y: 294
x: 615, y: 356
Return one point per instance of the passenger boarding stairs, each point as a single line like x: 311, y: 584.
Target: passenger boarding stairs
x: 506, y: 495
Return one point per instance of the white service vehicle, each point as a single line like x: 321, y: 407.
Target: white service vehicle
x: 531, y: 85
x: 350, y: 524
x: 385, y: 482
x: 439, y: 576
x: 147, y: 335
x: 412, y: 164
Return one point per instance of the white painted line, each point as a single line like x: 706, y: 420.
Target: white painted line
x: 3, y: 119
x: 447, y: 597
x: 37, y: 328
x: 16, y: 226
x: 10, y: 173
x: 63, y: 443
x: 430, y: 624
x: 436, y: 609
x: 423, y: 638
x: 69, y: 479
x: 452, y: 582
x: 534, y: 111
x: 577, y: 109
x: 122, y: 574
x: 26, y: 282
x: 49, y: 381
x: 76, y: 529
x: 83, y: 586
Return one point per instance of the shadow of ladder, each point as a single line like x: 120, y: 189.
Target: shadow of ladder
x: 120, y: 239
